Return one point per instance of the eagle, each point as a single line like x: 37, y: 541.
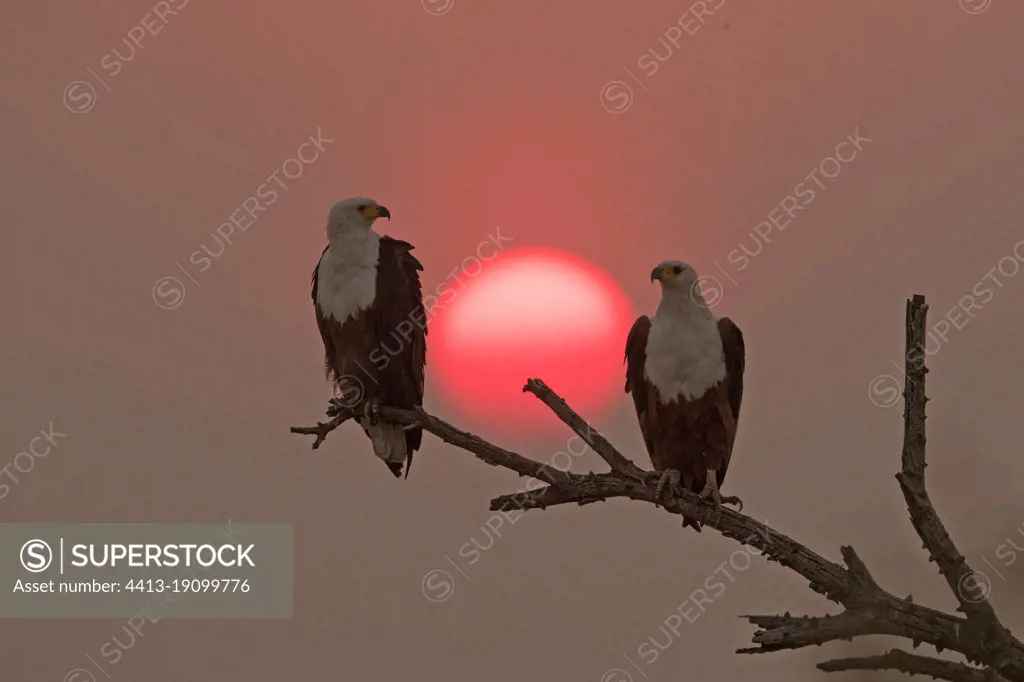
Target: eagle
x: 369, y: 309
x: 684, y: 369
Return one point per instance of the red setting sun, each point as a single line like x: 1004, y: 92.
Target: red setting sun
x: 531, y: 313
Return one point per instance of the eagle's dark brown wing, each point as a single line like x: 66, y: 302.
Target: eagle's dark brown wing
x: 402, y: 328
x: 735, y: 362
x: 636, y: 383
x: 328, y: 328
x: 402, y: 321
x: 730, y: 393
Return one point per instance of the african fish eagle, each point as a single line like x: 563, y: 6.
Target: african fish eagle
x: 684, y: 368
x: 369, y: 309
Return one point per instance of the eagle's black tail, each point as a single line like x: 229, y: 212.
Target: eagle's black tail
x: 413, y: 440
x: 396, y: 467
x: 692, y: 523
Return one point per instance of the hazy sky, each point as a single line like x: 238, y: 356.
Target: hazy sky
x: 462, y: 117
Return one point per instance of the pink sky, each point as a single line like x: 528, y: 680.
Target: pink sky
x: 491, y: 115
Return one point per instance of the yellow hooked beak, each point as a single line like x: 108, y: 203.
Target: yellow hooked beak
x: 375, y: 211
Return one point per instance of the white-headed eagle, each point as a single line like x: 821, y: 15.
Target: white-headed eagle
x: 684, y: 368
x: 369, y: 308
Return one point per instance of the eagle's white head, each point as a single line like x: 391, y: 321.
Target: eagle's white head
x: 680, y: 285
x: 355, y: 214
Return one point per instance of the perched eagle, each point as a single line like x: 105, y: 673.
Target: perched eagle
x: 369, y: 308
x: 684, y: 368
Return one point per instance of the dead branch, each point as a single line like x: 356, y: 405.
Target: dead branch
x: 986, y: 632
x: 868, y: 609
x: 595, y: 440
x: 912, y: 664
x: 323, y: 428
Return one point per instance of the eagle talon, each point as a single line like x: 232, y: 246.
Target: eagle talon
x: 735, y: 501
x: 711, y: 491
x: 669, y: 477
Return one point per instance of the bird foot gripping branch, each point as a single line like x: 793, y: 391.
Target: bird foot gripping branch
x: 670, y: 478
x: 711, y: 491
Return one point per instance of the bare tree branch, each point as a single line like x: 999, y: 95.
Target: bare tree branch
x: 912, y: 664
x: 491, y: 454
x: 595, y: 440
x: 868, y: 609
x: 322, y: 428
x: 986, y: 631
x: 923, y: 516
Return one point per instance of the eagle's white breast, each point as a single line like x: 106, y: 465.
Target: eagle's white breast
x: 684, y: 356
x: 347, y: 276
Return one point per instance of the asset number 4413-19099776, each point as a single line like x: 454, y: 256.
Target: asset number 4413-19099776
x: 189, y: 585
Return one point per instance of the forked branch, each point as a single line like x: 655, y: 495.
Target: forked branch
x: 868, y: 609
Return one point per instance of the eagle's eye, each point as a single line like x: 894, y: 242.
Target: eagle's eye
x: 361, y: 207
x: 677, y: 269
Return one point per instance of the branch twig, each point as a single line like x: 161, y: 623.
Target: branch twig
x: 985, y: 629
x: 952, y: 565
x: 595, y: 440
x: 322, y: 428
x: 912, y: 664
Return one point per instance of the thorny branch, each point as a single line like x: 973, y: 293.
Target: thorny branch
x: 868, y: 609
x: 912, y: 664
x: 323, y: 428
